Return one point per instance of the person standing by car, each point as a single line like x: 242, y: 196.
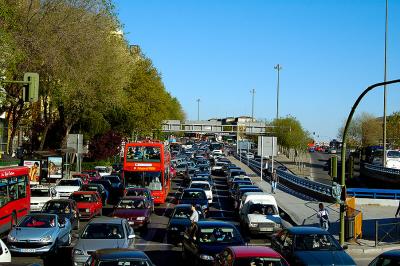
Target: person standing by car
x: 274, y: 181
x: 323, y: 216
x: 195, y: 215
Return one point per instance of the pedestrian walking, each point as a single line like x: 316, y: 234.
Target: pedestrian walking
x: 195, y: 215
x: 398, y: 211
x: 323, y: 216
x: 274, y: 181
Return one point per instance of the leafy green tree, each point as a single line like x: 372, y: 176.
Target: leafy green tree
x: 290, y: 133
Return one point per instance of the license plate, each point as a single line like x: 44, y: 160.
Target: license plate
x: 28, y: 250
x: 264, y: 229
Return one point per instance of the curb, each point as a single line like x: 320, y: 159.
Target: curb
x: 370, y: 250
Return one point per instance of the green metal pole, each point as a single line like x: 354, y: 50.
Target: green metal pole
x: 334, y: 160
x: 351, y: 167
x: 343, y: 153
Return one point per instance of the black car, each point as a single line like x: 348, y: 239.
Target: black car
x: 118, y: 256
x: 99, y: 188
x: 64, y: 208
x: 107, y: 185
x: 196, y: 196
x: 116, y: 184
x: 203, y: 240
x: 180, y: 220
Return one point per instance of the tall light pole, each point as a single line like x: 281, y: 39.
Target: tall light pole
x: 253, y: 91
x: 198, y: 109
x: 278, y: 68
x: 384, y: 88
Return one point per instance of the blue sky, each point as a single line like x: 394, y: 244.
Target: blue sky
x: 218, y: 50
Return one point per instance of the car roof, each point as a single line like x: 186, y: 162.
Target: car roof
x: 254, y: 251
x: 84, y: 192
x: 183, y: 206
x: 200, y: 182
x: 61, y: 200
x: 299, y: 230
x: 134, y: 198
x: 205, y: 224
x: 391, y: 253
x: 109, y: 220
x: 193, y: 190
x: 119, y: 253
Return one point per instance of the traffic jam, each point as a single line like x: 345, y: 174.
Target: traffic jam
x: 166, y: 204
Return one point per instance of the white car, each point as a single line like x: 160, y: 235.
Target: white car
x: 65, y: 187
x: 205, y: 186
x: 103, y: 170
x: 40, y: 195
x: 249, y: 155
x: 5, y: 255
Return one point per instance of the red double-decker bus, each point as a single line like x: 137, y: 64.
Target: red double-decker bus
x: 15, y: 196
x: 147, y: 164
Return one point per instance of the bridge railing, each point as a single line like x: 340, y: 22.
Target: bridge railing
x: 382, y: 169
x: 374, y: 193
x: 312, y: 188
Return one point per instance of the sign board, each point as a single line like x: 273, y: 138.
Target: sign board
x: 75, y: 141
x: 34, y: 169
x: 244, y: 145
x: 54, y: 164
x: 269, y: 144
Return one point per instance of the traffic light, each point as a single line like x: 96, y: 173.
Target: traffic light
x: 31, y: 90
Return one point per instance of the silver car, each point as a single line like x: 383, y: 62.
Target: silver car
x: 40, y: 233
x: 100, y: 233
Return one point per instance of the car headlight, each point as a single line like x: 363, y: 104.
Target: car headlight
x: 252, y: 225
x: 204, y: 207
x: 206, y: 257
x: 78, y: 252
x: 173, y: 229
x: 11, y: 238
x: 87, y: 210
x: 45, y: 239
x: 277, y: 225
x: 141, y: 218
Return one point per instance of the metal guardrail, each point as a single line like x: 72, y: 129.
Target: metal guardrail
x: 374, y: 193
x: 318, y: 190
x: 382, y: 169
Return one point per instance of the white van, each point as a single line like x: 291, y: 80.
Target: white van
x: 103, y: 170
x: 260, y: 215
x: 40, y: 195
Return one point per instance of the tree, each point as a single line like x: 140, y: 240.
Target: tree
x: 290, y: 133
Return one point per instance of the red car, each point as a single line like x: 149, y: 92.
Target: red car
x: 249, y: 255
x: 89, y: 203
x: 137, y: 210
x: 84, y: 177
x: 94, y: 174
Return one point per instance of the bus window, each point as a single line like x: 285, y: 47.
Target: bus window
x: 21, y: 187
x: 13, y: 189
x: 4, y: 199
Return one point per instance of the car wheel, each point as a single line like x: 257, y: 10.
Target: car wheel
x: 14, y: 220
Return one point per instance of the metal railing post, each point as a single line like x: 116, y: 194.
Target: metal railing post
x: 376, y: 232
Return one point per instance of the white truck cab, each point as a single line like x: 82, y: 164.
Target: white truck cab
x: 40, y: 194
x: 260, y: 214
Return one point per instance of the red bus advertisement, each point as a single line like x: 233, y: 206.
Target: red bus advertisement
x: 15, y: 196
x: 147, y: 164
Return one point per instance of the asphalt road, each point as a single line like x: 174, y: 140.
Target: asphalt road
x: 317, y: 172
x: 153, y: 240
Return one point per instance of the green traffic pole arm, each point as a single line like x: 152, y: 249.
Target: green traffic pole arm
x: 343, y: 153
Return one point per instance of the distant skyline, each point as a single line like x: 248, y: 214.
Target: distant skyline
x: 218, y: 51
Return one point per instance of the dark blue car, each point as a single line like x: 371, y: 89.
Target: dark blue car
x: 391, y: 257
x: 203, y: 240
x: 196, y: 196
x: 302, y: 245
x: 180, y: 221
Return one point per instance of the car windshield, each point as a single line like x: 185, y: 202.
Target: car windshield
x: 132, y: 204
x: 393, y: 154
x: 316, y: 242
x: 38, y: 221
x: 68, y: 182
x: 218, y: 235
x: 182, y: 213
x: 194, y: 195
x: 204, y: 186
x: 40, y: 192
x: 259, y: 261
x: 150, y: 180
x: 237, y: 173
x: 83, y: 197
x: 57, y: 207
x: 103, y: 231
x: 125, y: 262
x: 265, y: 209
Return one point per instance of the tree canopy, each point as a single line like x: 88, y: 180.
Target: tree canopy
x: 90, y: 80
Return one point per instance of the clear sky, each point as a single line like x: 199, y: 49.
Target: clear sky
x: 218, y: 50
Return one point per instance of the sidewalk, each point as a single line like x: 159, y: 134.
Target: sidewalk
x: 303, y: 212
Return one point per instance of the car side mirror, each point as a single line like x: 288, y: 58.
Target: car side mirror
x: 132, y: 236
x: 282, y: 214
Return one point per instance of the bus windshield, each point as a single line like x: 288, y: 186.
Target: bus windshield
x: 150, y: 180
x: 143, y: 154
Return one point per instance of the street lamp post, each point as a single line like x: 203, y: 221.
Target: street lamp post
x: 343, y: 153
x: 278, y: 68
x: 198, y: 109
x: 253, y: 91
x: 384, y: 89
